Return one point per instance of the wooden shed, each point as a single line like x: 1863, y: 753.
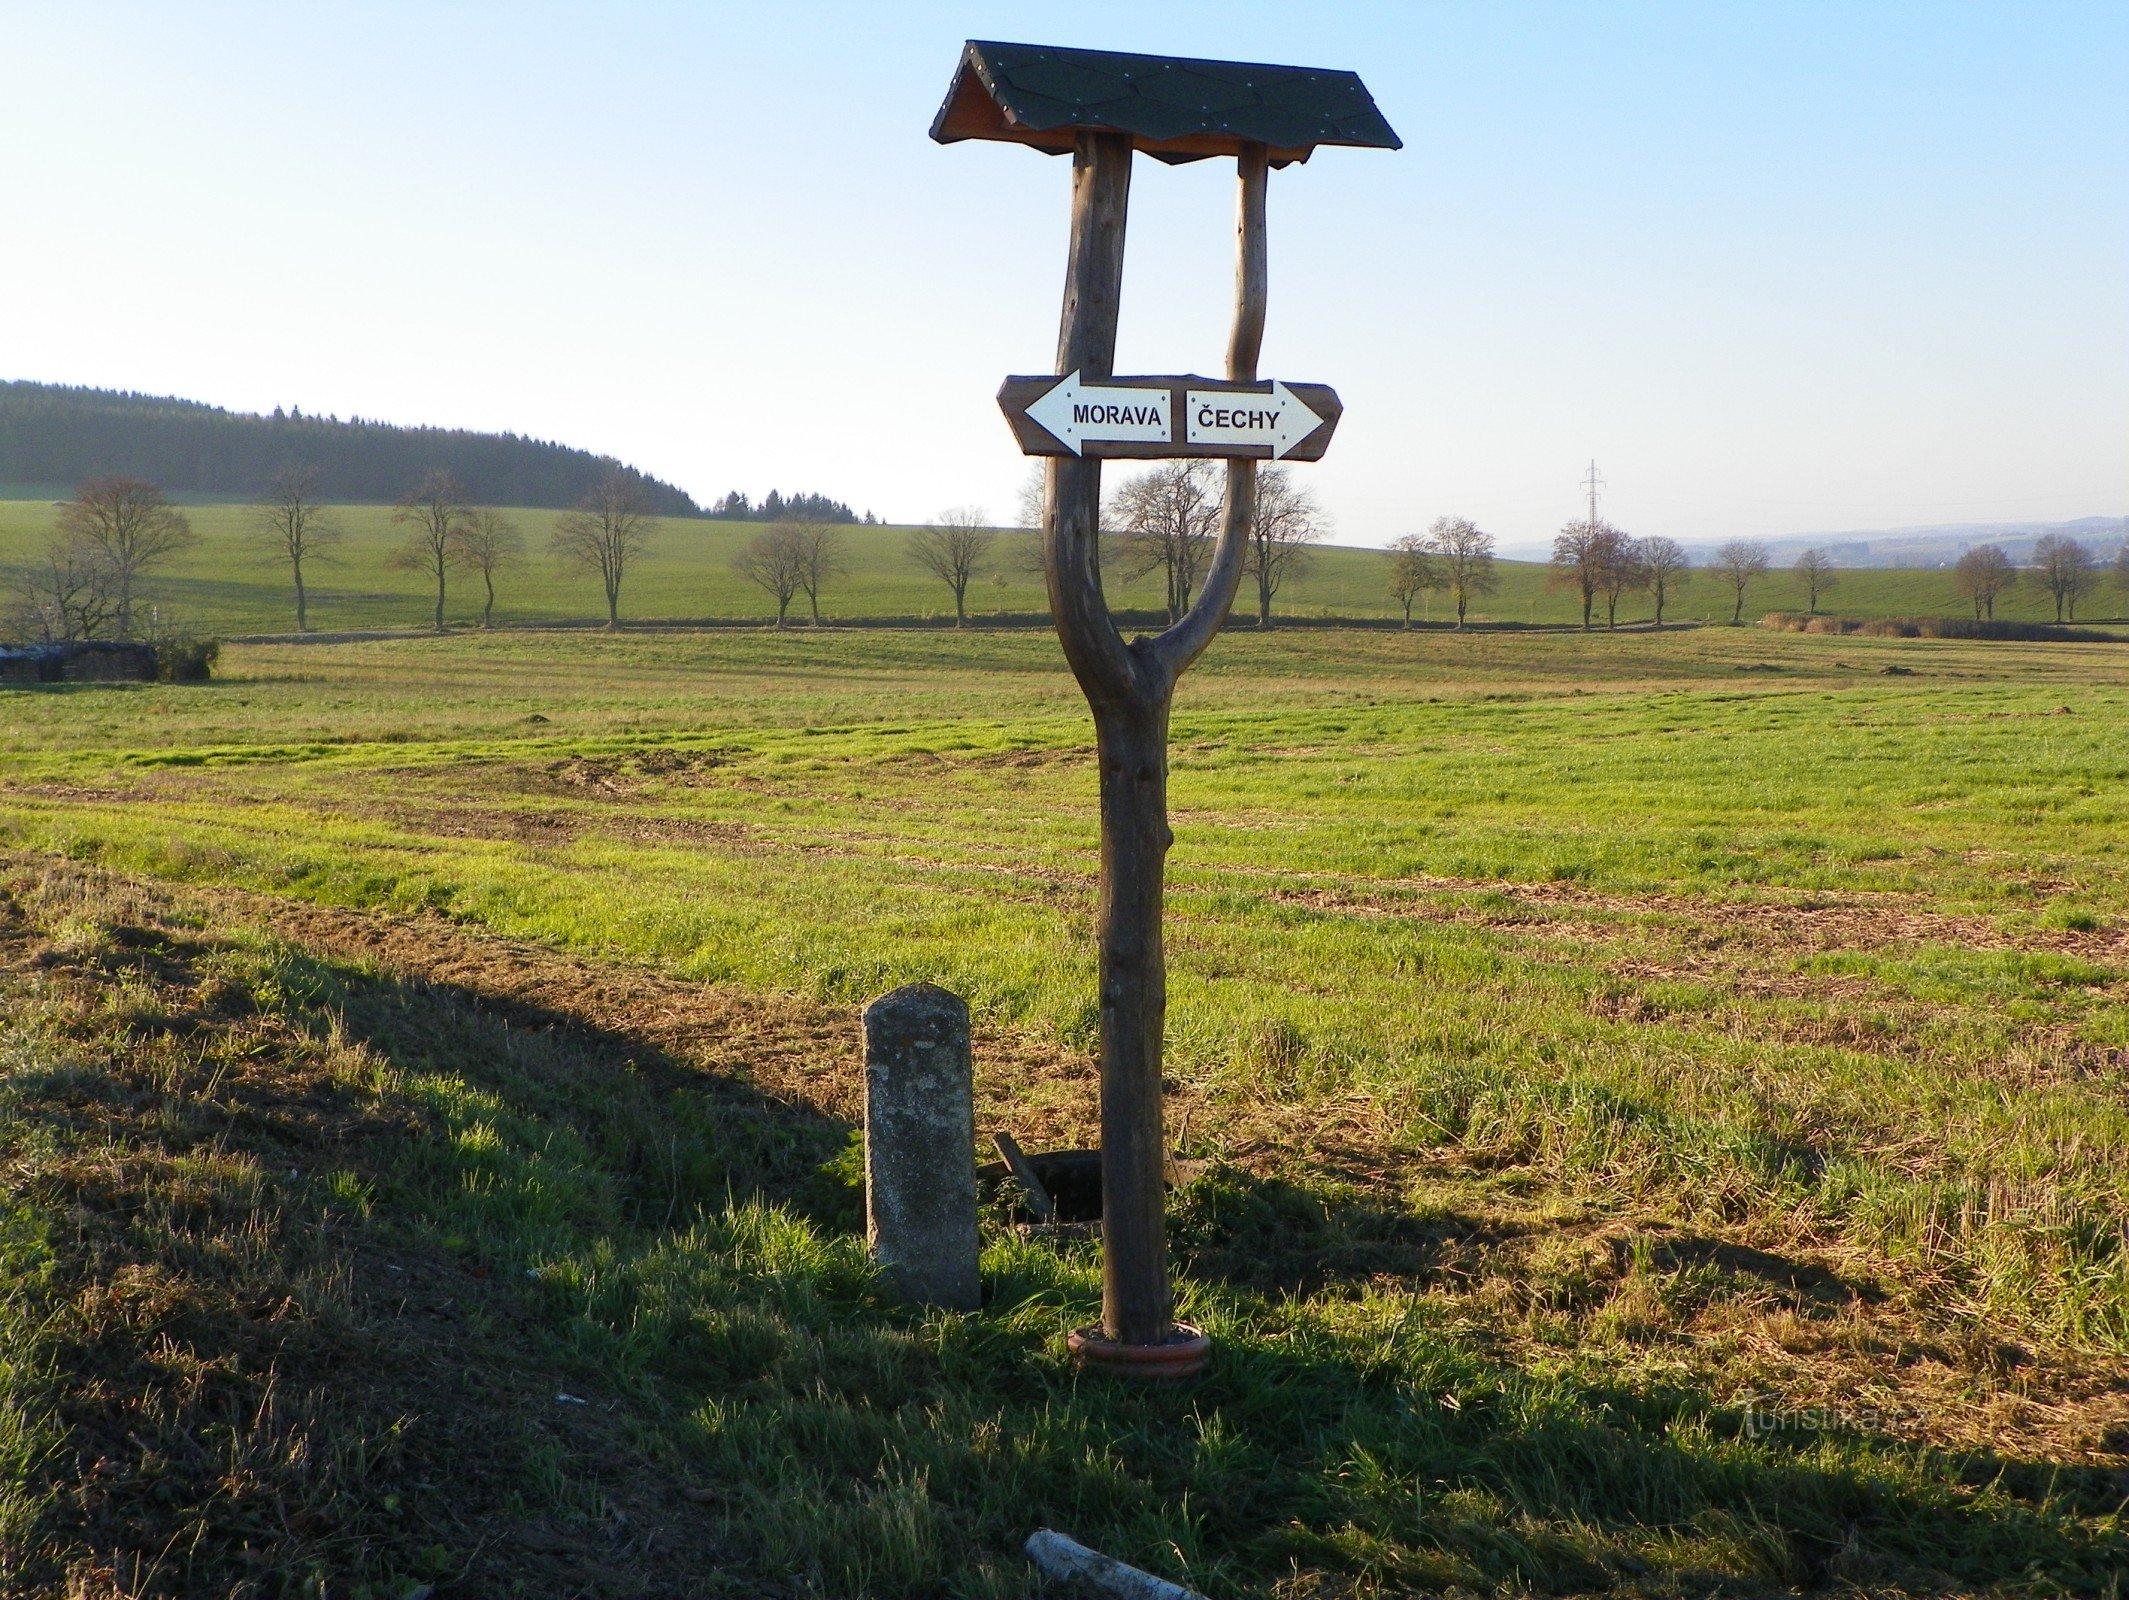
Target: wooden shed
x: 1174, y: 108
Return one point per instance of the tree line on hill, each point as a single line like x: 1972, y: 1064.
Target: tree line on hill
x: 51, y: 433
x: 775, y: 507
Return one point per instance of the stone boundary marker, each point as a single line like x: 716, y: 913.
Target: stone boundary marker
x: 920, y: 1143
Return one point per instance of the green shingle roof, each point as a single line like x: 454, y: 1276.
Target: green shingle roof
x: 1173, y: 107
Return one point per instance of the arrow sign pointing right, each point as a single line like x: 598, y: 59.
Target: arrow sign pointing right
x: 1078, y: 414
x: 1279, y: 420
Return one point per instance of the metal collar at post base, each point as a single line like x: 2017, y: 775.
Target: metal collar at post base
x: 1183, y: 1354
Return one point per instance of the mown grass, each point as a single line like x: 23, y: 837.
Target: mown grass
x: 639, y: 1306
x: 229, y: 584
x: 1666, y: 1093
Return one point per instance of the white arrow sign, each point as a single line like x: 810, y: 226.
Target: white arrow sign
x: 1079, y: 414
x: 1220, y: 416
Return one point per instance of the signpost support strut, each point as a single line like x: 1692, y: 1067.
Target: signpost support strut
x: 1129, y: 688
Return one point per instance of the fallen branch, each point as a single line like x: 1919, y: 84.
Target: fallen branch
x: 1039, y: 1200
x: 1062, y: 1558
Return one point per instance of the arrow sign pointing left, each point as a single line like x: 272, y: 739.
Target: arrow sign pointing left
x: 1079, y: 414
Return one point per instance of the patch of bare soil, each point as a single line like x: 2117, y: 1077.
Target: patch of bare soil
x: 500, y: 823
x: 798, y: 1051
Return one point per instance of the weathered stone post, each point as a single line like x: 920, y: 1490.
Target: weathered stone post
x: 920, y: 1144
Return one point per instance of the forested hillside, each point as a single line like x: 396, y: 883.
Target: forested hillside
x: 50, y: 434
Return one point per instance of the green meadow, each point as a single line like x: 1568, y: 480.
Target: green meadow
x: 229, y: 584
x: 1663, y: 1098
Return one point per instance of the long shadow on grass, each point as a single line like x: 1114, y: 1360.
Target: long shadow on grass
x: 262, y: 1203
x: 1349, y: 1429
x: 866, y: 1449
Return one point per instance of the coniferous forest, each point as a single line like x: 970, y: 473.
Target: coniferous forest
x: 53, y: 434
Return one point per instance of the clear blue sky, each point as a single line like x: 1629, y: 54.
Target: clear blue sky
x: 1777, y: 267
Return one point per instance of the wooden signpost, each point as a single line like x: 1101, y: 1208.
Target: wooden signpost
x: 1101, y: 108
x: 1166, y: 418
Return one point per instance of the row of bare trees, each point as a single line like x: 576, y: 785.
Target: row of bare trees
x: 2067, y: 569
x: 1599, y: 561
x: 445, y: 533
x: 1162, y: 521
x: 1455, y: 556
x: 1165, y: 520
x: 86, y: 584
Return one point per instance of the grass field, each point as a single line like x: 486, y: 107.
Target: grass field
x: 227, y: 585
x: 1666, y: 1098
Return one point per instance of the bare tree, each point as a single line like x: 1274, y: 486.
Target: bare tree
x: 820, y: 558
x: 606, y: 532
x: 1981, y: 575
x: 1667, y: 567
x: 129, y: 526
x: 1034, y: 489
x: 1412, y: 571
x: 1623, y: 573
x: 1737, y: 564
x: 1465, y: 555
x: 292, y: 523
x: 1814, y: 570
x: 2066, y: 570
x: 1286, y: 522
x: 1584, y: 555
x: 1166, y: 519
x: 434, y: 512
x: 488, y: 542
x: 776, y: 559
x: 952, y: 547
x: 71, y: 593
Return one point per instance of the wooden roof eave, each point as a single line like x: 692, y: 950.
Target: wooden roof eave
x: 971, y: 112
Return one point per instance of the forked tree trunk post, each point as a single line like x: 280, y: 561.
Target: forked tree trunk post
x: 1129, y: 687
